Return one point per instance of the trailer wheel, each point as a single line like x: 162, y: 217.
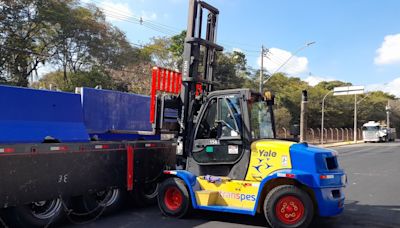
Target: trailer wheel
x: 145, y: 194
x: 107, y: 202
x: 288, y: 206
x: 173, y: 198
x: 36, y: 214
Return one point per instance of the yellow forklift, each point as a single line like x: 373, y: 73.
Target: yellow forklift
x: 230, y: 159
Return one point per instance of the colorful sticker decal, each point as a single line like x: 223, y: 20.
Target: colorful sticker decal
x: 268, y: 156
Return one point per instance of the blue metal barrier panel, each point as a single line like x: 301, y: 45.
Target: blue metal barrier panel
x: 30, y: 115
x: 112, y: 111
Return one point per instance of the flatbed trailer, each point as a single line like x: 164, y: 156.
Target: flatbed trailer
x: 36, y: 172
x: 76, y: 152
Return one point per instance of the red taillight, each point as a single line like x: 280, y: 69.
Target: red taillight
x: 289, y: 175
x: 199, y: 89
x: 324, y: 177
x: 167, y: 172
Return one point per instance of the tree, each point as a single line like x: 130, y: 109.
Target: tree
x: 23, y: 40
x: 93, y: 78
x: 177, y: 48
x: 283, y: 118
x: 230, y: 71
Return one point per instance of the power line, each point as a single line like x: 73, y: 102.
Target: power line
x: 159, y: 27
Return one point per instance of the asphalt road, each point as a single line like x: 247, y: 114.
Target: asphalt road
x: 373, y: 197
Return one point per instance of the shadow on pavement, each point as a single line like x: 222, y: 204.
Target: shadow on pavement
x: 354, y: 215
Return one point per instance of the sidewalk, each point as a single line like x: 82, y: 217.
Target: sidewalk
x: 325, y: 145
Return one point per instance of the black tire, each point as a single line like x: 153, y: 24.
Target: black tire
x: 37, y: 214
x: 105, y: 202
x: 297, y: 198
x: 145, y: 194
x: 179, y: 204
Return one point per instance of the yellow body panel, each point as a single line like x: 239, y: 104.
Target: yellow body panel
x: 268, y: 156
x: 233, y: 193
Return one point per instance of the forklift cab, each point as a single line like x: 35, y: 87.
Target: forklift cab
x: 227, y: 124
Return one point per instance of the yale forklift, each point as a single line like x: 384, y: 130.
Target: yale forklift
x: 230, y: 159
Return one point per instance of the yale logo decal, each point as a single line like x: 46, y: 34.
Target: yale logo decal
x: 268, y: 156
x: 264, y: 153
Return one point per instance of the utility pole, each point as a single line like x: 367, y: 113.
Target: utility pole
x: 303, y: 116
x: 264, y: 52
x: 388, y: 109
x: 355, y: 118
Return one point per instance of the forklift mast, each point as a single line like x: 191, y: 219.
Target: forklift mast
x: 199, y: 61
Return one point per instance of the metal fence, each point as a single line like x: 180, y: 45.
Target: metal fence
x: 331, y: 135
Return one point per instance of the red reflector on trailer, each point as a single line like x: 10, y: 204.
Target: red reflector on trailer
x: 150, y: 145
x: 102, y: 146
x: 58, y: 148
x: 7, y: 150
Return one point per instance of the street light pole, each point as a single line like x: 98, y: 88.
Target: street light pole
x: 287, y: 60
x: 322, y: 116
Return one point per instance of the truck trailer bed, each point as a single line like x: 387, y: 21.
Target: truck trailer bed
x: 34, y: 172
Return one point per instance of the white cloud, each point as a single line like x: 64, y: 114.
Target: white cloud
x: 120, y: 11
x: 314, y: 80
x: 115, y: 11
x: 276, y: 57
x: 237, y: 50
x: 389, y: 52
x: 148, y: 15
x: 391, y: 87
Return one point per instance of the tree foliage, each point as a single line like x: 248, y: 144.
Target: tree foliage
x: 86, y: 50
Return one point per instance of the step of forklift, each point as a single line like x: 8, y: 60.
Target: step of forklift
x: 206, y: 197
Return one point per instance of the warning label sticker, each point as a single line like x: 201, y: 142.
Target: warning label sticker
x: 233, y: 149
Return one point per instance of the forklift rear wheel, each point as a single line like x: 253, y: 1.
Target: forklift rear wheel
x: 288, y: 206
x: 173, y: 198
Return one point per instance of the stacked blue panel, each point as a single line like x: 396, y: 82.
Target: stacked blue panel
x: 113, y: 115
x: 30, y: 115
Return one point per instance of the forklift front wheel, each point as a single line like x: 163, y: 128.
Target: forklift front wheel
x: 288, y: 206
x: 173, y: 198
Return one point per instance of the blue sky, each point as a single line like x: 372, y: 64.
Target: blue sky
x: 356, y: 41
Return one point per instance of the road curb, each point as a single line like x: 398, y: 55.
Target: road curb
x: 339, y: 144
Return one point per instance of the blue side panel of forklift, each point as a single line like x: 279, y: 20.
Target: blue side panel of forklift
x: 29, y: 115
x: 311, y: 159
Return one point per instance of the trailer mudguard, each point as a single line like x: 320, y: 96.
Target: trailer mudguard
x: 30, y: 115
